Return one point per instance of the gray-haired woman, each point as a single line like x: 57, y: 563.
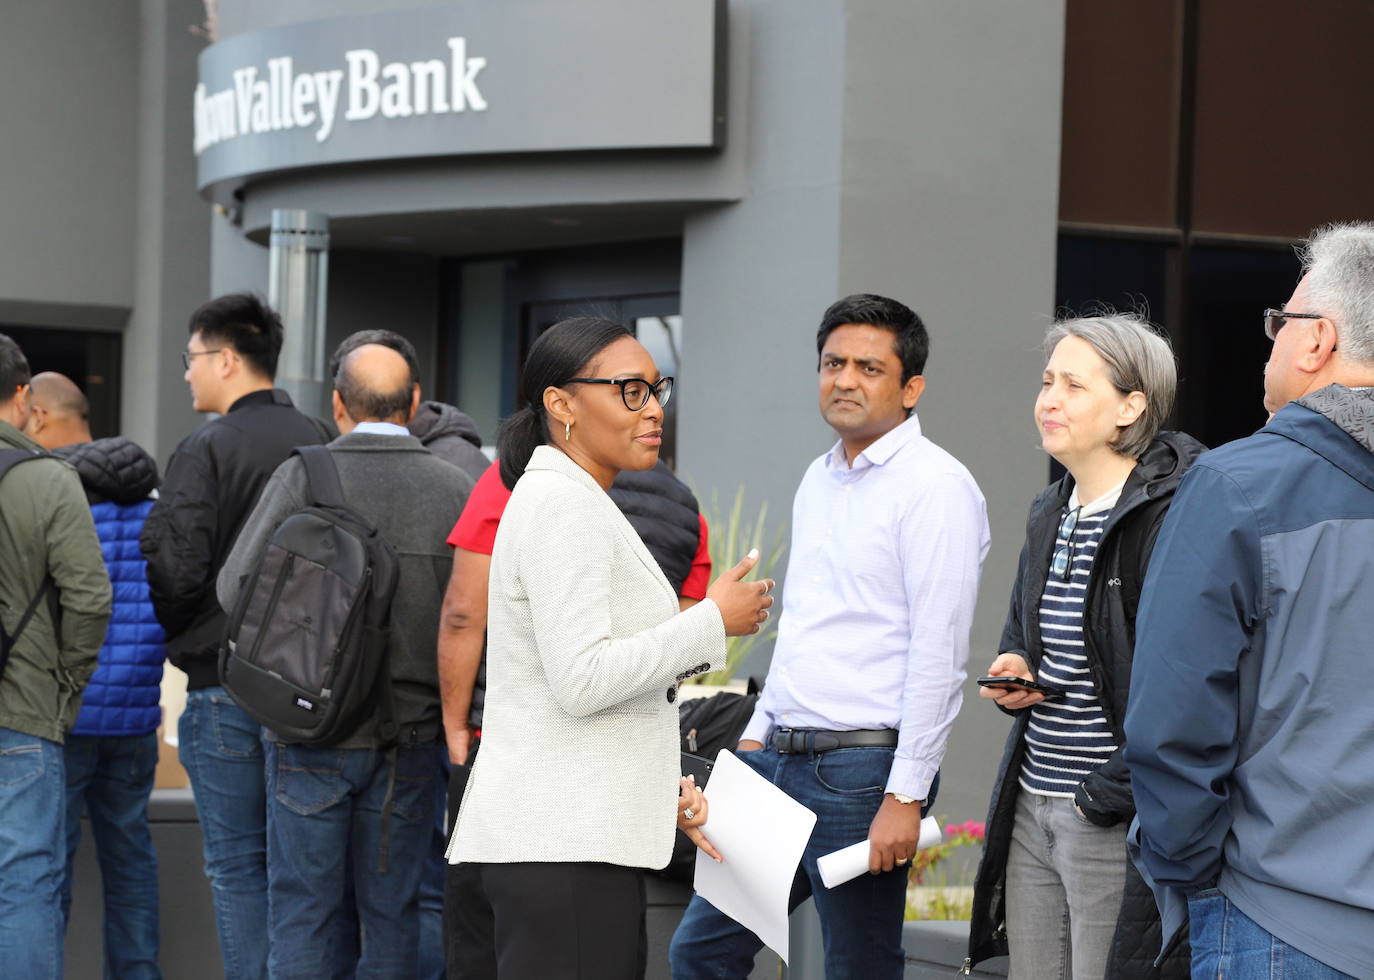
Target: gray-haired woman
x: 1055, y: 889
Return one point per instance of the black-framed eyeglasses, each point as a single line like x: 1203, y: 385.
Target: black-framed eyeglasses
x: 1273, y: 320
x: 1062, y: 562
x: 186, y: 355
x: 634, y: 392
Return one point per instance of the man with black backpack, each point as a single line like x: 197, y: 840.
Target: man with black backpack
x: 209, y: 488
x: 54, y: 606
x: 350, y: 801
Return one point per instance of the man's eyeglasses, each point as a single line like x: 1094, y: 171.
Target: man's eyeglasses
x: 1062, y: 562
x: 186, y: 356
x: 1273, y: 320
x: 634, y: 392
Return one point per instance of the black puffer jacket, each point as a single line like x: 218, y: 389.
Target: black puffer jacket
x: 210, y: 487
x: 451, y: 435
x: 114, y: 469
x: 1113, y: 592
x: 665, y: 513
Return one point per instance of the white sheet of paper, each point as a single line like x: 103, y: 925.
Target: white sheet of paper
x: 760, y: 832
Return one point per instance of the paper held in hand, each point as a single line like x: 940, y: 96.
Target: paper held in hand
x: 760, y: 832
x: 848, y: 863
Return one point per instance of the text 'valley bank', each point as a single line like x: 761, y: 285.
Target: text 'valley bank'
x: 282, y: 98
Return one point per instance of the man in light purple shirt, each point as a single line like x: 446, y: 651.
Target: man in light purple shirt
x: 889, y: 534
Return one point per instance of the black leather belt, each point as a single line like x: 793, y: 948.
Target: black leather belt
x: 796, y: 741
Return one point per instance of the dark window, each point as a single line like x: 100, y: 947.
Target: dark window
x: 91, y: 358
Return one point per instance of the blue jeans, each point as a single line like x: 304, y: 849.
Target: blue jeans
x: 861, y: 921
x: 326, y: 827
x: 112, y: 776
x: 32, y: 826
x: 432, y: 884
x: 1229, y: 945
x: 221, y: 750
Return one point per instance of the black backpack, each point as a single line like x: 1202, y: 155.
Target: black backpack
x: 10, y: 458
x: 305, y: 649
x: 706, y: 725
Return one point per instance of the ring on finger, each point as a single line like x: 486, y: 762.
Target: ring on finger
x: 901, y: 861
x: 689, y: 814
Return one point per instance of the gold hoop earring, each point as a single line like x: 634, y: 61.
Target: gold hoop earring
x: 567, y: 431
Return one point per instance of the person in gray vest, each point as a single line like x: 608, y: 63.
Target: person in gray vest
x: 351, y: 824
x: 50, y: 562
x: 452, y: 436
x: 442, y: 429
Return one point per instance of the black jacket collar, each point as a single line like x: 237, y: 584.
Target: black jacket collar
x: 263, y: 396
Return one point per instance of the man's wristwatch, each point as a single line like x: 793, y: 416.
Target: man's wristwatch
x: 903, y: 798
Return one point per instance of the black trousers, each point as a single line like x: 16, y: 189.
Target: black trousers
x: 548, y: 921
x: 575, y: 921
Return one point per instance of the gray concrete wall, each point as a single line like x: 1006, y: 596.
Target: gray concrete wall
x: 69, y: 119
x: 236, y: 264
x: 100, y: 226
x: 171, y: 244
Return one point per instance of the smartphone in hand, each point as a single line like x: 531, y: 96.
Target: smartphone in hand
x: 1007, y: 682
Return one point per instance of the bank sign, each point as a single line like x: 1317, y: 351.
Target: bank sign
x: 484, y: 76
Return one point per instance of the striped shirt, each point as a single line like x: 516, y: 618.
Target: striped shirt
x: 1070, y: 738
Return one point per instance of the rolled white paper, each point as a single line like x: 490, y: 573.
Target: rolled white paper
x: 848, y: 863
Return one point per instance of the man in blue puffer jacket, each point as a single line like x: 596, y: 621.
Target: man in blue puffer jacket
x: 111, y: 754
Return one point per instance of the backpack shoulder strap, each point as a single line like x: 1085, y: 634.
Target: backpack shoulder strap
x: 10, y: 458
x: 321, y: 476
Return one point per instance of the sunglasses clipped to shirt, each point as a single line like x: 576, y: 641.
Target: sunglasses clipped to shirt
x: 1062, y: 561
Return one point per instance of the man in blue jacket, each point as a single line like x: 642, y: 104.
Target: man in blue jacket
x: 1250, y: 734
x: 111, y: 754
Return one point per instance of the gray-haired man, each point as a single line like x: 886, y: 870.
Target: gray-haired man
x: 1250, y: 734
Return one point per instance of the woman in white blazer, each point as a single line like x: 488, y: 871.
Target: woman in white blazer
x: 576, y: 790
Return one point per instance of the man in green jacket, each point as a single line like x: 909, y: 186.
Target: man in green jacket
x: 46, y: 535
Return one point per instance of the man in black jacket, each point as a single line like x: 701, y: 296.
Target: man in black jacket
x: 212, y: 482
x: 452, y: 436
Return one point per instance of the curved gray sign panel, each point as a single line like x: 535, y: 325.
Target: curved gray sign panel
x: 485, y: 76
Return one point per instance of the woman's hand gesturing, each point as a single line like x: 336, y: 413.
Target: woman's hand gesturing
x: 743, y: 605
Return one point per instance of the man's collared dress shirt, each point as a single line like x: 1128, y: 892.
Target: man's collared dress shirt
x: 879, y: 598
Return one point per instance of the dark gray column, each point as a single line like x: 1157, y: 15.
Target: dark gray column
x: 171, y: 231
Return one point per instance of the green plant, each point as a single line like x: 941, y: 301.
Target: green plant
x: 731, y: 538
x: 930, y: 892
